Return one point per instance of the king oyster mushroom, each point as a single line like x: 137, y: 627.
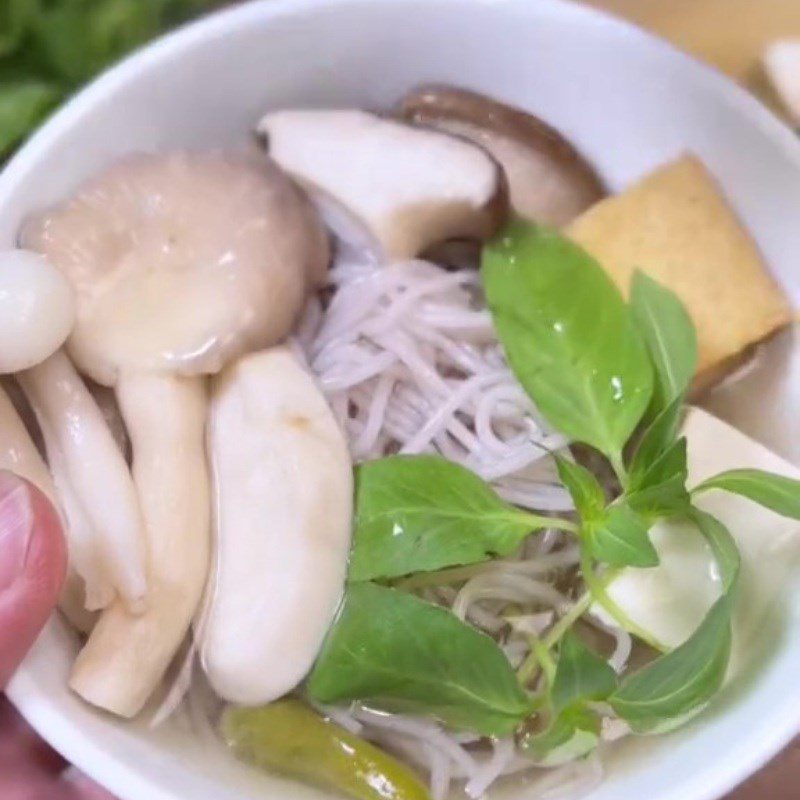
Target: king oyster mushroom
x: 283, y: 500
x: 412, y: 188
x: 179, y: 263
x: 549, y: 180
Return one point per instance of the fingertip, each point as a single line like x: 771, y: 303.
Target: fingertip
x: 33, y: 560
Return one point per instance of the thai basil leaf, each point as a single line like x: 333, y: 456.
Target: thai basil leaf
x: 423, y: 513
x: 621, y: 539
x: 657, y: 438
x: 670, y: 337
x: 568, y: 335
x: 775, y: 492
x: 681, y: 681
x: 398, y: 653
x: 584, y: 488
x: 581, y: 675
x: 572, y: 735
x: 660, y: 490
x: 722, y: 544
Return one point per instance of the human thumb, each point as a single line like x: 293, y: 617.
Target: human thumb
x: 32, y: 567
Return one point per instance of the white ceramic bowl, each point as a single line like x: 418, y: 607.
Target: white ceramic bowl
x: 626, y: 99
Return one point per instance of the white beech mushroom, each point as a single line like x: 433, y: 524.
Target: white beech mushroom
x: 37, y: 310
x: 549, y: 180
x: 19, y: 454
x: 283, y: 502
x: 412, y: 188
x: 105, y: 529
x: 104, y: 537
x: 179, y: 262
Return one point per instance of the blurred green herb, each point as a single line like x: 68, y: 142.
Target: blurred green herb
x: 49, y: 48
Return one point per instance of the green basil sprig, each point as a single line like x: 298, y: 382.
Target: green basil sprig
x: 581, y: 677
x: 396, y: 652
x: 669, y: 335
x: 677, y: 685
x: 568, y: 336
x: 424, y: 513
x: 775, y: 492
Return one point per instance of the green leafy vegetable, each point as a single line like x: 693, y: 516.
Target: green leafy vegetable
x: 581, y: 675
x: 75, y: 40
x: 657, y: 438
x: 722, y: 544
x: 423, y: 513
x: 775, y: 492
x: 48, y: 48
x: 568, y: 335
x: 23, y: 104
x: 584, y: 488
x: 660, y: 489
x: 678, y: 683
x: 15, y: 16
x: 399, y: 653
x: 670, y: 337
x: 572, y: 735
x: 620, y: 539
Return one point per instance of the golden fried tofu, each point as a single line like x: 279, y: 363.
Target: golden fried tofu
x: 677, y: 226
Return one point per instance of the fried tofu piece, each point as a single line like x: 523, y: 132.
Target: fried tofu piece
x: 677, y: 226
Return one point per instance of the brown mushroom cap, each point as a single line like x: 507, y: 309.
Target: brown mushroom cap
x: 549, y: 180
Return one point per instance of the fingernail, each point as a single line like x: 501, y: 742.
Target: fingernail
x: 16, y: 527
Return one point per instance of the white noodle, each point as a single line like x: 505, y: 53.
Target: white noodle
x: 502, y: 755
x: 408, y: 357
x: 623, y: 642
x: 441, y: 775
x: 343, y: 717
x: 422, y: 730
x: 511, y: 587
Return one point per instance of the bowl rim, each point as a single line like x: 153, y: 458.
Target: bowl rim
x: 711, y: 783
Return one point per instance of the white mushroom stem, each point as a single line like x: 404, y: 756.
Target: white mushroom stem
x: 18, y: 454
x: 94, y: 589
x: 126, y: 655
x: 283, y: 491
x: 93, y: 482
